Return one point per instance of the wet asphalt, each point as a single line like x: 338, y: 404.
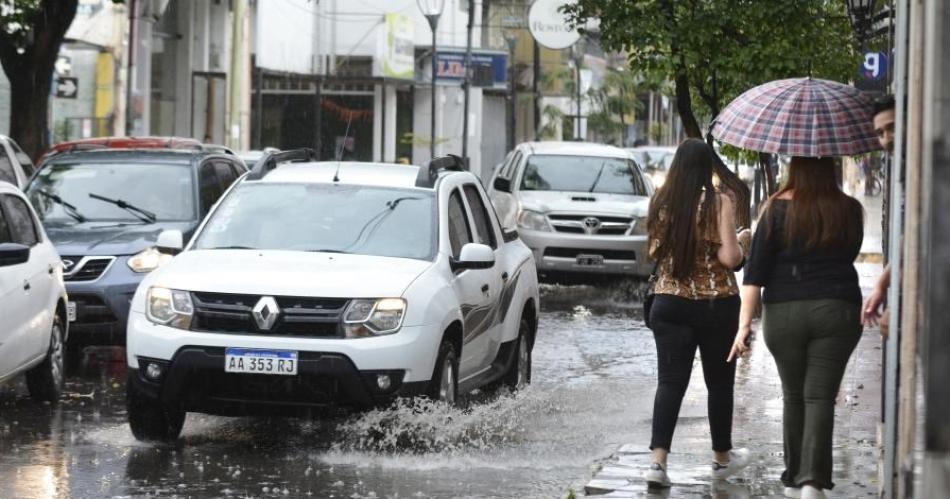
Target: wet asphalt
x: 593, y: 381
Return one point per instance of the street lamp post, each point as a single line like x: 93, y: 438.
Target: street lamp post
x: 861, y: 12
x: 432, y: 10
x: 511, y: 39
x: 577, y: 51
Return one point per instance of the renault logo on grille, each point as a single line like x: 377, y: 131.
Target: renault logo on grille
x: 265, y: 313
x: 68, y: 264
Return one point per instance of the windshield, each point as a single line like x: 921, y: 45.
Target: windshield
x: 333, y: 218
x: 659, y: 159
x: 582, y: 174
x: 164, y: 190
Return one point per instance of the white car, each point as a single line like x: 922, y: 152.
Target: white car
x: 15, y: 165
x: 335, y: 284
x: 33, y: 306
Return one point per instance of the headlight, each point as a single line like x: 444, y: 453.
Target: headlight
x: 148, y: 260
x: 638, y: 227
x: 658, y: 179
x: 533, y: 220
x: 169, y: 307
x: 365, y: 318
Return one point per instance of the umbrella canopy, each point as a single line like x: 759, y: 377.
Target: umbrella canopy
x: 799, y: 117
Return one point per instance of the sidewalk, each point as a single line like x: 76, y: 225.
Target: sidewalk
x: 758, y: 426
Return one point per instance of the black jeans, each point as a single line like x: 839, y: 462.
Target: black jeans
x: 679, y: 326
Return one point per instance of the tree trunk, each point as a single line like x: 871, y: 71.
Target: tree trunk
x: 29, y: 67
x: 684, y: 105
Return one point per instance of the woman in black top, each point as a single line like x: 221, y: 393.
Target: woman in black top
x: 803, y: 256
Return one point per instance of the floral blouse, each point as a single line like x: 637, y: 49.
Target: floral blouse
x: 709, y: 278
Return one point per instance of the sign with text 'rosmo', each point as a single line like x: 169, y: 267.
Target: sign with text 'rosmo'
x: 549, y: 26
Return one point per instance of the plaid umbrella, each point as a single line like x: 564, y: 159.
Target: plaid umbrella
x: 799, y: 117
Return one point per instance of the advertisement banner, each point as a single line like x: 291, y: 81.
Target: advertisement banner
x: 493, y: 65
x: 395, y: 48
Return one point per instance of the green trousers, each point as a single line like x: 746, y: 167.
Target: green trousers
x: 811, y: 341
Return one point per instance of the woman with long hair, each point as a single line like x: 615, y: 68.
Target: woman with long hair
x: 693, y: 239
x: 802, y: 265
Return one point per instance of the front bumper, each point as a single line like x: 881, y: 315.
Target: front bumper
x: 332, y: 371
x: 102, y: 305
x: 557, y: 252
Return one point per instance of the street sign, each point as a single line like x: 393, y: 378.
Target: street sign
x: 549, y: 26
x: 67, y: 87
x: 874, y: 66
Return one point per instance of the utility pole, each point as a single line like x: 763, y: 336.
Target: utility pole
x: 467, y: 82
x: 237, y: 80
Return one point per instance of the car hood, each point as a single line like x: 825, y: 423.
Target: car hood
x: 588, y: 203
x: 109, y: 238
x: 289, y: 273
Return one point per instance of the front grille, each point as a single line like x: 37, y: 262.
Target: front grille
x: 88, y: 268
x: 90, y: 309
x: 600, y: 226
x: 299, y: 316
x: 574, y: 253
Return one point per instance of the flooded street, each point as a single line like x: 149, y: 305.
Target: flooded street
x: 592, y: 391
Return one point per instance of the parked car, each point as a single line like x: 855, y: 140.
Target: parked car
x: 251, y: 157
x: 655, y: 160
x: 580, y: 207
x: 32, y: 299
x: 332, y: 284
x: 15, y: 166
x: 104, y: 210
x: 147, y: 142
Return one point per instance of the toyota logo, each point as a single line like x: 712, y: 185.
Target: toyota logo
x: 265, y: 313
x: 591, y: 223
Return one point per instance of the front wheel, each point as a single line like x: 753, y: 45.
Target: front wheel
x: 45, y: 381
x: 519, y: 373
x: 151, y: 420
x: 444, y: 383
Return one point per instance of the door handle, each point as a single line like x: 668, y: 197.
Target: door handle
x: 504, y: 276
x: 50, y: 270
x: 484, y: 288
x: 26, y: 285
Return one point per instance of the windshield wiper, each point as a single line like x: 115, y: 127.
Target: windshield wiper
x: 230, y: 247
x: 67, y: 207
x: 141, y: 213
x: 324, y: 250
x: 392, y: 204
x: 597, y: 178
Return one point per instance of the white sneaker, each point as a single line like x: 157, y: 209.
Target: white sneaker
x: 793, y: 492
x: 656, y: 477
x: 738, y: 459
x: 811, y: 492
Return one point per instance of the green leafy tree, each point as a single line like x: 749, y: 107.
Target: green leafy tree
x: 713, y: 50
x: 31, y: 33
x: 611, y: 103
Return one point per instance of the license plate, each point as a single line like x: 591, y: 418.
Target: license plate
x: 246, y: 360
x: 590, y: 260
x: 71, y: 311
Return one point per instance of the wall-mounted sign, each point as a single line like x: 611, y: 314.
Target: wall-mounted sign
x: 395, y: 55
x: 489, y: 69
x: 873, y: 73
x: 549, y: 26
x: 66, y: 87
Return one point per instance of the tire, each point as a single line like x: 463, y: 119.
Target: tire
x: 444, y: 382
x: 151, y: 420
x: 519, y: 373
x: 45, y: 381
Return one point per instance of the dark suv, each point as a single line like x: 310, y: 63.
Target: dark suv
x: 104, y: 210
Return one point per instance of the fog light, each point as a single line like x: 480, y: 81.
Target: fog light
x: 383, y: 382
x: 153, y: 371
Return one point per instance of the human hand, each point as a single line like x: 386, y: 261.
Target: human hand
x: 741, y: 345
x: 745, y: 237
x: 873, y: 305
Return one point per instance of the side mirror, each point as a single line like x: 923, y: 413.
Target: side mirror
x: 13, y: 254
x: 474, y: 256
x: 170, y: 241
x: 502, y: 184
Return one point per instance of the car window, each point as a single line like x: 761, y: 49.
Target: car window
x: 6, y: 167
x: 238, y: 169
x: 510, y: 167
x: 4, y: 228
x: 605, y: 175
x: 22, y: 158
x: 460, y: 233
x: 210, y: 186
x: 225, y: 174
x: 22, y: 228
x: 483, y: 227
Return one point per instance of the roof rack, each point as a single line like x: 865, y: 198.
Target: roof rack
x: 271, y: 160
x: 218, y: 148
x: 429, y: 174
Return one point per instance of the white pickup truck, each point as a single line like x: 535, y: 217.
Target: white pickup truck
x: 314, y: 284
